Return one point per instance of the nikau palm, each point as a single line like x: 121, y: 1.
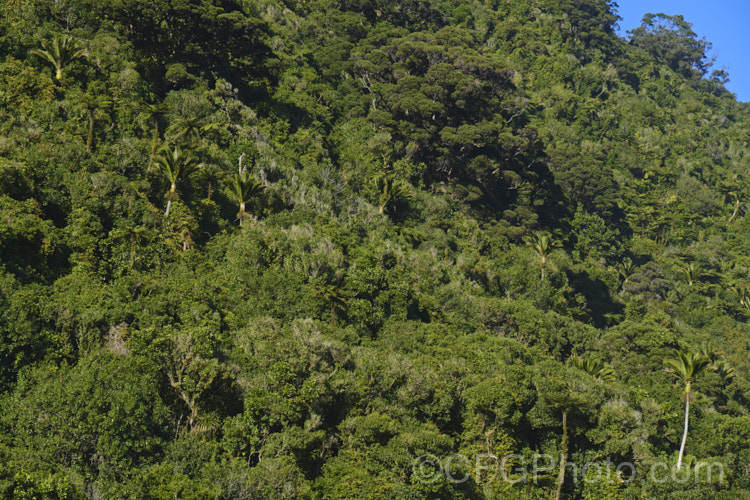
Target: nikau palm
x: 543, y: 245
x: 212, y: 174
x: 565, y: 402
x: 691, y: 272
x: 625, y: 269
x: 92, y: 105
x: 594, y: 367
x: 743, y: 296
x: 174, y: 164
x: 243, y: 188
x: 133, y: 233
x: 153, y: 113
x: 687, y: 367
x: 334, y: 296
x: 60, y: 52
x: 391, y: 192
x: 189, y: 130
x: 725, y: 371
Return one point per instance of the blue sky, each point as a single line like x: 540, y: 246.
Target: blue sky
x: 724, y: 23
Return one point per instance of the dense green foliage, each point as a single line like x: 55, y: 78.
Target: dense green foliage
x: 283, y: 249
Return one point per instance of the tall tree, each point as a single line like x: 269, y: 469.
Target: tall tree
x: 563, y: 392
x: 671, y: 40
x: 564, y: 402
x: 687, y: 367
x: 191, y: 370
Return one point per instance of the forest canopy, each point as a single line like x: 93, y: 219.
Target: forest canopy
x: 361, y: 249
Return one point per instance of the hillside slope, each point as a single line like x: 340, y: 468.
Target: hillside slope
x: 368, y: 249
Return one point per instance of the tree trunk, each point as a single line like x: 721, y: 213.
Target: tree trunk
x: 241, y: 215
x: 170, y: 195
x: 684, y: 435
x: 154, y: 146
x: 736, y: 208
x: 132, y: 250
x: 90, y: 140
x: 563, y: 454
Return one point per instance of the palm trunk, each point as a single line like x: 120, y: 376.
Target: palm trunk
x: 736, y: 208
x: 241, y: 215
x: 154, y: 146
x: 58, y: 74
x: 132, y: 250
x: 684, y: 435
x: 563, y: 455
x: 90, y: 140
x: 170, y: 195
